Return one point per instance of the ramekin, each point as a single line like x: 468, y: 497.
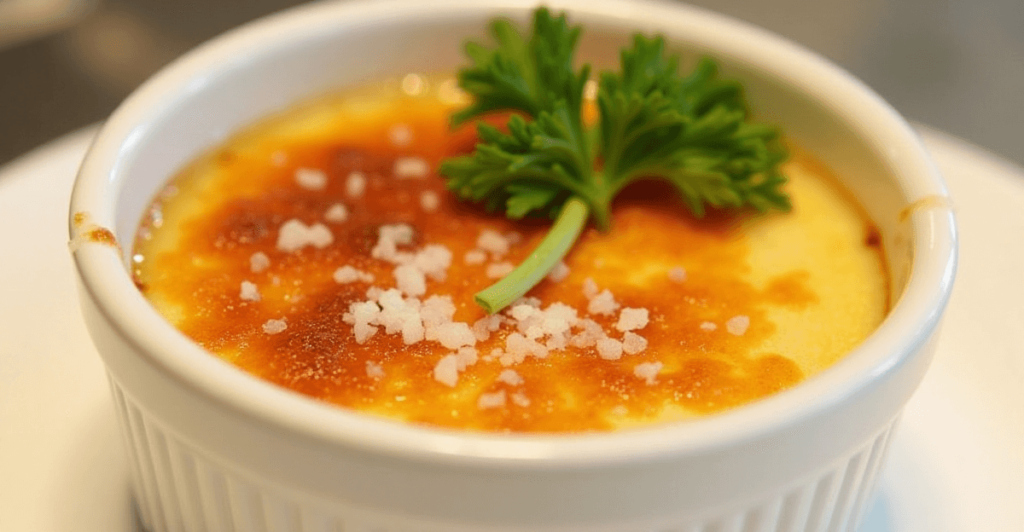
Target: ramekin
x: 214, y: 449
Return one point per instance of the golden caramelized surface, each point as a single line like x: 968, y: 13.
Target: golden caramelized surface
x: 740, y: 306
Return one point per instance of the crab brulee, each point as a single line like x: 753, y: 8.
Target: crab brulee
x: 321, y: 250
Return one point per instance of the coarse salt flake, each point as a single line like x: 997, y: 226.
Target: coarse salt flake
x: 374, y: 370
x: 491, y: 400
x: 410, y: 279
x: 558, y: 273
x: 493, y: 242
x: 273, y: 326
x: 631, y: 319
x: 603, y: 303
x: 648, y: 371
x: 411, y: 168
x: 498, y: 270
x: 466, y: 356
x: 590, y: 289
x: 347, y: 274
x: 434, y: 260
x: 336, y: 213
x: 400, y: 135
x: 389, y: 237
x: 677, y: 274
x: 609, y: 349
x: 510, y: 377
x: 249, y: 292
x: 355, y: 184
x: 259, y: 262
x: 520, y: 399
x: 633, y: 343
x: 311, y: 178
x: 738, y: 325
x: 455, y: 334
x: 474, y: 257
x: 446, y: 371
x: 708, y: 326
x: 429, y: 201
x: 294, y: 235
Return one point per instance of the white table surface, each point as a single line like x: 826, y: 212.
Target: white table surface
x: 956, y: 465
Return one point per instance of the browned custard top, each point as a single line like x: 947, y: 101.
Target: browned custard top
x: 274, y: 250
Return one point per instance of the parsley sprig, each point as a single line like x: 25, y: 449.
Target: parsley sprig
x: 692, y: 131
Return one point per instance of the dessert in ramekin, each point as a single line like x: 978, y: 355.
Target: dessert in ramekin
x: 214, y: 448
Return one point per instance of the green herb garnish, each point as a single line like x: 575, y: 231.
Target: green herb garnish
x: 692, y: 131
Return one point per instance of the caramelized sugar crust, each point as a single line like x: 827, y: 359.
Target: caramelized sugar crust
x: 763, y: 301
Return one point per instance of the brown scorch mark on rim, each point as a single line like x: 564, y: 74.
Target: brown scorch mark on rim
x: 931, y: 201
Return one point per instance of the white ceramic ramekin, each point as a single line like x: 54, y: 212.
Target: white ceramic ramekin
x: 213, y: 449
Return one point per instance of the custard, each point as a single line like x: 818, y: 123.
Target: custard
x: 319, y: 250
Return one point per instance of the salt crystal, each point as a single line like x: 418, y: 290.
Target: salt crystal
x: 410, y: 279
x: 519, y: 346
x: 389, y: 237
x: 347, y: 274
x: 249, y: 292
x: 474, y: 257
x: 434, y: 260
x: 558, y: 273
x: 259, y: 262
x: 436, y: 311
x: 294, y: 235
x: 400, y: 135
x: 493, y: 242
x: 534, y: 332
x: 491, y: 400
x: 589, y: 288
x: 677, y: 274
x: 633, y: 343
x: 631, y: 319
x: 648, y: 371
x: 429, y: 201
x: 311, y: 178
x: 510, y: 377
x: 557, y: 342
x: 523, y: 312
x: 411, y: 168
x: 467, y: 356
x: 609, y: 349
x: 274, y: 326
x: 737, y: 325
x: 336, y: 213
x: 483, y: 327
x: 355, y: 184
x: 454, y: 335
x: 498, y: 270
x: 520, y: 399
x: 708, y: 326
x: 374, y: 370
x: 413, y: 331
x: 589, y: 336
x: 447, y: 370
x: 603, y: 304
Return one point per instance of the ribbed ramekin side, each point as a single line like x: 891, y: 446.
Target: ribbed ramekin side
x: 832, y: 501
x: 178, y: 489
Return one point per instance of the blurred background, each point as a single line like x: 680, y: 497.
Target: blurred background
x: 954, y: 65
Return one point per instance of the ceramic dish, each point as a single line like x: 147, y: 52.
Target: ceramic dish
x: 214, y: 449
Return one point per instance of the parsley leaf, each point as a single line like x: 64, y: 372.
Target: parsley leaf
x: 692, y: 131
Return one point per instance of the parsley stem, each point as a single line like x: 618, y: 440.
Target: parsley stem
x: 556, y: 244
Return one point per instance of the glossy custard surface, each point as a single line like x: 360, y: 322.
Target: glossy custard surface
x: 738, y: 305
